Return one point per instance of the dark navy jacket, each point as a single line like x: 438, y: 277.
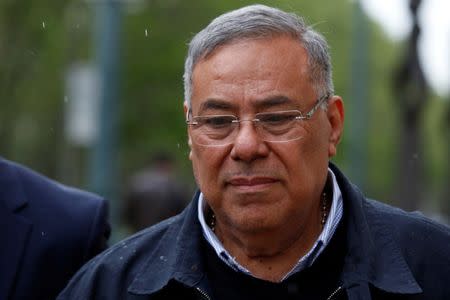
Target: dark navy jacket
x: 47, y: 231
x: 390, y: 254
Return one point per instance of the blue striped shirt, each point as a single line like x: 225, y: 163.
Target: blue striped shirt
x: 334, y: 217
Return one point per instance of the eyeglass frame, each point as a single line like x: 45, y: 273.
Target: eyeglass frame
x: 306, y: 116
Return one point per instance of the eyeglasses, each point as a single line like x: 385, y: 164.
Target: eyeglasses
x: 277, y: 127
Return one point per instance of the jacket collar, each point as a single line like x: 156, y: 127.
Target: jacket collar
x: 373, y: 256
x: 181, y: 261
x: 14, y: 228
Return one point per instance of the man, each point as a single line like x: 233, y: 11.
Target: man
x: 48, y: 232
x: 154, y: 193
x: 273, y: 219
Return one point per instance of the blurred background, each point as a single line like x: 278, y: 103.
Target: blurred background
x: 91, y: 95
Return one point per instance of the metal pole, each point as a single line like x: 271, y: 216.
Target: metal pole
x: 357, y: 109
x: 411, y: 97
x: 103, y: 173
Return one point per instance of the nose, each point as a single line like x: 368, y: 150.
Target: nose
x: 248, y: 146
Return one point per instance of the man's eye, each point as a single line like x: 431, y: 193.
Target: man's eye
x: 219, y: 121
x: 277, y: 118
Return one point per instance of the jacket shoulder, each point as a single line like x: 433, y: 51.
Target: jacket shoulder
x: 35, y: 181
x: 41, y: 191
x: 65, y: 228
x: 109, y: 274
x: 404, y: 220
x: 63, y: 214
x: 415, y: 233
x: 424, y: 244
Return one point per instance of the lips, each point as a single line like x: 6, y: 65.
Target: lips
x: 251, y: 181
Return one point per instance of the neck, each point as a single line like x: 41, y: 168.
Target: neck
x: 287, y: 244
x: 269, y: 261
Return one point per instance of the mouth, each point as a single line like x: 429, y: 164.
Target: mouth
x: 251, y: 184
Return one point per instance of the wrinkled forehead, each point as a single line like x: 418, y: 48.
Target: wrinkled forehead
x: 280, y: 50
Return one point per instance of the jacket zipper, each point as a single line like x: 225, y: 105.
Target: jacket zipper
x: 334, y: 293
x: 203, y: 294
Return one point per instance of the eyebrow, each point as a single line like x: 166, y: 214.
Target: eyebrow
x: 272, y: 101
x: 218, y: 104
x: 215, y: 104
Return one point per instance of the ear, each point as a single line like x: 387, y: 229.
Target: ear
x: 186, y: 111
x: 335, y: 114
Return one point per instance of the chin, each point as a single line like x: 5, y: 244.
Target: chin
x: 255, y: 222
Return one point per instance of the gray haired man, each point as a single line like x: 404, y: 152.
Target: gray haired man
x: 273, y: 218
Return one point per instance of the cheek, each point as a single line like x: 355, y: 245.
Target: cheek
x: 206, y: 165
x: 318, y: 142
x: 308, y: 158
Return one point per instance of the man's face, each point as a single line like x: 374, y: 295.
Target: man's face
x: 254, y: 185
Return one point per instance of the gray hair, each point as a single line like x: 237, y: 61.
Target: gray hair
x: 260, y: 21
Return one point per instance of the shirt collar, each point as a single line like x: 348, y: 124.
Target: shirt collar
x: 305, y: 261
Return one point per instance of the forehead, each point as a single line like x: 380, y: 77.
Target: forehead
x: 251, y: 70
